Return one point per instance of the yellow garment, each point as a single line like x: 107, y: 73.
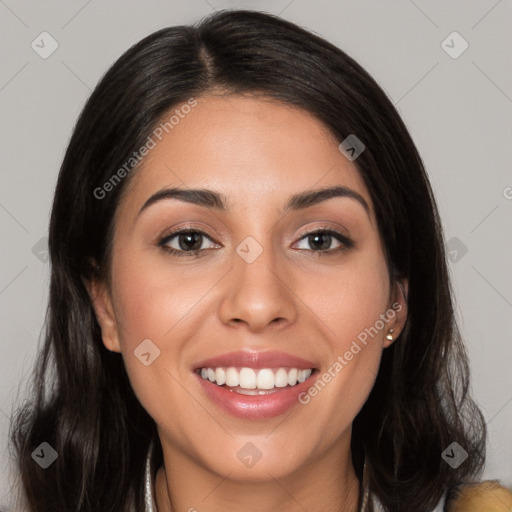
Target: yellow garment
x: 488, y: 496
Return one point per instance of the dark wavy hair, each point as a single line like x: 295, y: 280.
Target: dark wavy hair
x: 82, y: 403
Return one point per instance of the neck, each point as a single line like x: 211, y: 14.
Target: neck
x: 325, y: 484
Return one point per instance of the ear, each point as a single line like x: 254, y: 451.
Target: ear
x: 102, y: 303
x: 397, y: 312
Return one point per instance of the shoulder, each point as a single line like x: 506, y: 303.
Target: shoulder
x: 489, y: 495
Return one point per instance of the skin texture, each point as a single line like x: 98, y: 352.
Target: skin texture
x: 257, y: 153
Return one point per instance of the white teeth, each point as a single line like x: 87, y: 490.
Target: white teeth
x: 258, y: 380
x: 265, y: 379
x: 220, y: 376
x: 231, y: 377
x: 281, y: 378
x: 292, y: 377
x: 303, y: 375
x: 247, y: 378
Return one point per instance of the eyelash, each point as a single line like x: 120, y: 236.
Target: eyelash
x: 346, y: 243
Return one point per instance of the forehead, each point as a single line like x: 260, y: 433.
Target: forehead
x: 252, y: 149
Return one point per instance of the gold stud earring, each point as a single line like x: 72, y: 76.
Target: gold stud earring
x: 389, y: 336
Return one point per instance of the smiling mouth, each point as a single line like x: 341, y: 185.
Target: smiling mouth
x: 249, y: 381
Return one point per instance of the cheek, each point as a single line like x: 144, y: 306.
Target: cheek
x: 152, y: 305
x: 152, y: 302
x: 352, y: 299
x: 352, y: 304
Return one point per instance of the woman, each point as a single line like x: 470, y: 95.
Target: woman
x: 249, y: 291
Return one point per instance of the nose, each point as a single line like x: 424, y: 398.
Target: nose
x: 257, y: 294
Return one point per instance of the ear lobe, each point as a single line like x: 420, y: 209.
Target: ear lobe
x: 399, y: 306
x: 102, y: 305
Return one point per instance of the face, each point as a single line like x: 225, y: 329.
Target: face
x: 285, y: 298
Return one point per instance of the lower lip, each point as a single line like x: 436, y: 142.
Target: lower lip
x: 255, y: 406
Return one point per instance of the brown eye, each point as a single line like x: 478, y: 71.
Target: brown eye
x: 320, y: 241
x: 190, y: 241
x: 325, y: 241
x: 185, y: 242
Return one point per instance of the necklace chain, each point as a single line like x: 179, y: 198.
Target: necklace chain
x: 150, y: 502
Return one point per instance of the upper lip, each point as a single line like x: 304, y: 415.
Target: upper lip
x: 258, y: 360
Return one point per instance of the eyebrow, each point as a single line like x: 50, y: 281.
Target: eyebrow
x: 218, y: 201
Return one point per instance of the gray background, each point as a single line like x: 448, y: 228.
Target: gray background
x: 458, y: 111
